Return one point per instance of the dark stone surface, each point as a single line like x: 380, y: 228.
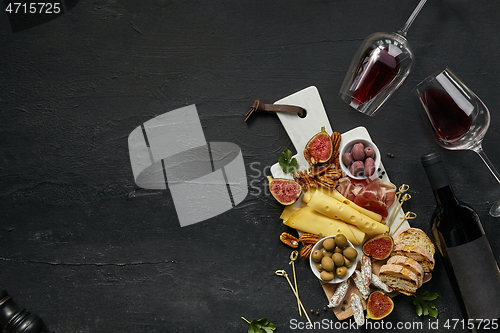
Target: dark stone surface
x: 84, y: 248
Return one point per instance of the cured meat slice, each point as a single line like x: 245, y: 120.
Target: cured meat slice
x: 376, y: 195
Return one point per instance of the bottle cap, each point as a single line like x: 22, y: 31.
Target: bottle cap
x: 430, y: 159
x: 435, y: 170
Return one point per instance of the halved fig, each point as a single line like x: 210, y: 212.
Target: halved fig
x: 286, y: 191
x: 379, y: 247
x: 319, y: 149
x: 378, y: 305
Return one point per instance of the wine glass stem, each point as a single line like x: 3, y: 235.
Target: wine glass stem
x: 404, y: 29
x: 479, y: 150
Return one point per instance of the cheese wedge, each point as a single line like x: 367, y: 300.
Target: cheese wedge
x: 288, y: 211
x: 326, y: 205
x: 307, y: 219
x: 308, y: 194
x: 336, y: 194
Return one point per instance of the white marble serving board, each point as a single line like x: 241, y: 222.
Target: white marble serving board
x: 301, y: 130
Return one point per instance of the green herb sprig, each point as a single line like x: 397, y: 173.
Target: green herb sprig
x: 287, y: 163
x: 257, y: 325
x: 423, y: 305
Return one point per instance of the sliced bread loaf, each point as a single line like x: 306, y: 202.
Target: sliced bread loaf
x: 411, y: 264
x: 399, y: 278
x: 415, y: 237
x: 422, y: 256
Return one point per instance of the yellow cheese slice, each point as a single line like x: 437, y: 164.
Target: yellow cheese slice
x: 307, y: 219
x: 326, y: 205
x: 308, y: 194
x: 336, y: 194
x: 358, y: 234
x: 288, y: 211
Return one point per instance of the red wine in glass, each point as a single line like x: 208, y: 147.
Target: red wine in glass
x: 376, y: 70
x: 380, y: 66
x: 457, y: 117
x: 449, y: 121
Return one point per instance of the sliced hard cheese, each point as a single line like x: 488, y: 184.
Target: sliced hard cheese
x: 288, y: 211
x: 308, y: 194
x: 335, y: 209
x: 307, y: 219
x: 336, y: 194
x: 358, y: 234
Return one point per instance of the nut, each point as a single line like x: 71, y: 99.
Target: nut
x: 308, y: 238
x: 289, y: 240
x: 310, y: 156
x: 318, y: 170
x: 336, y: 138
x: 306, y: 250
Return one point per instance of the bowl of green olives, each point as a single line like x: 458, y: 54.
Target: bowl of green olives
x: 333, y: 259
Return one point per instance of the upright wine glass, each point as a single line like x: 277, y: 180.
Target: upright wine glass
x: 457, y: 117
x: 379, y: 67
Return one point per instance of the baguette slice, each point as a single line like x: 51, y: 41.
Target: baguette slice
x: 415, y: 237
x: 411, y: 264
x: 422, y: 256
x: 399, y: 278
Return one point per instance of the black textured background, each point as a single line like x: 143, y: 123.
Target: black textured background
x: 83, y: 247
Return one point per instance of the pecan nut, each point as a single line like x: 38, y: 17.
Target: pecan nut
x: 336, y: 138
x: 318, y: 169
x: 306, y: 250
x: 308, y: 238
x: 289, y: 240
x: 310, y: 156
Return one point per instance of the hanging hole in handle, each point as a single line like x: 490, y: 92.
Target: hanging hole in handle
x: 303, y: 114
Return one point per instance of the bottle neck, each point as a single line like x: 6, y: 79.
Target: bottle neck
x: 445, y: 197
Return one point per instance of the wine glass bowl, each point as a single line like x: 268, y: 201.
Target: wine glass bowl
x: 458, y: 118
x: 379, y: 67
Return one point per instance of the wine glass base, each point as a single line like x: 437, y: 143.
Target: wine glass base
x: 495, y: 209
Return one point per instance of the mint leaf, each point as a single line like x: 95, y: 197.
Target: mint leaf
x: 422, y: 304
x: 287, y: 163
x: 256, y: 326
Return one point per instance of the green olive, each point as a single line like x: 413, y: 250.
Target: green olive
x: 318, y: 266
x: 338, y: 259
x: 338, y: 250
x: 341, y: 241
x: 326, y: 253
x: 341, y: 271
x: 317, y: 255
x: 329, y: 244
x: 347, y: 262
x: 350, y: 253
x: 327, y: 264
x: 326, y: 276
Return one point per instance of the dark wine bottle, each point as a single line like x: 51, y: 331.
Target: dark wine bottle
x: 467, y: 255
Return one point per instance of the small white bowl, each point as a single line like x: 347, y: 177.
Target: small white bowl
x: 347, y: 148
x: 336, y: 279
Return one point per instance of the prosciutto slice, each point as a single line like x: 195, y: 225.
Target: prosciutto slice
x: 375, y: 195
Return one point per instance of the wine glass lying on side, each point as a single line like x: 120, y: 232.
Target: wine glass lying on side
x: 458, y: 118
x: 380, y: 66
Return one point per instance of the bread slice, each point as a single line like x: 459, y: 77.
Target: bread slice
x: 411, y: 264
x: 399, y: 278
x: 415, y: 237
x: 422, y: 256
